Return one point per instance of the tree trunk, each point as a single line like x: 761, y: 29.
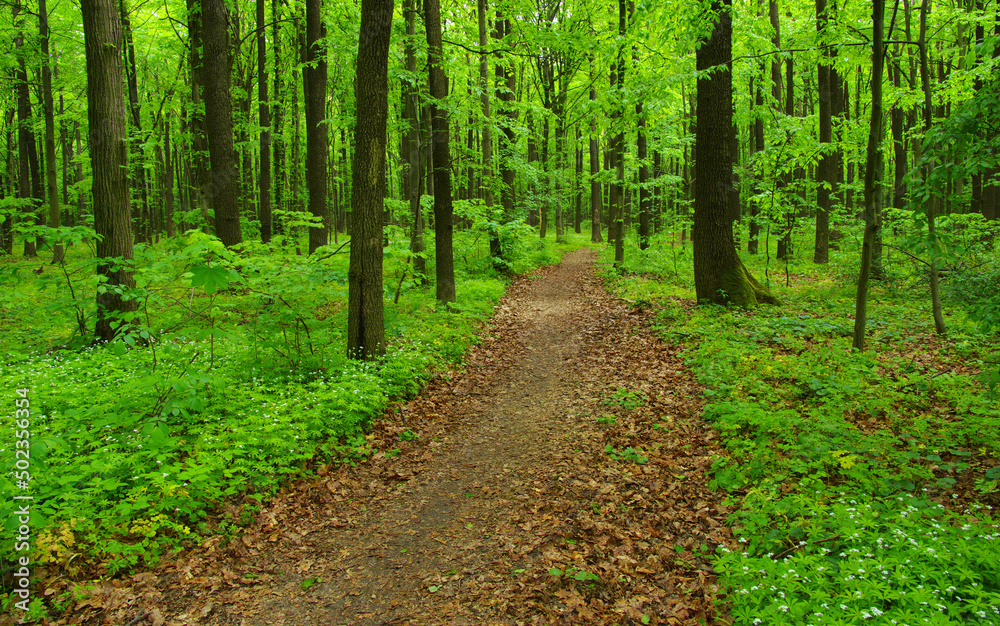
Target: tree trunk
x: 825, y: 172
x: 596, y: 198
x: 314, y: 87
x: 443, y: 255
x: 505, y: 86
x: 719, y: 273
x: 264, y: 117
x: 48, y: 106
x: 365, y: 325
x: 486, y: 179
x: 644, y: 196
x: 616, y: 203
x: 137, y: 176
x: 277, y: 138
x: 872, y: 221
x: 224, y: 188
x: 29, y: 177
x: 932, y: 205
x: 107, y: 118
x: 411, y: 121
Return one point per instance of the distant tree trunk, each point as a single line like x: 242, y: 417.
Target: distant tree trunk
x: 872, y: 221
x: 443, y: 254
x: 753, y: 236
x: 225, y: 183
x: 168, y: 179
x: 578, y: 186
x: 505, y: 86
x: 264, y: 116
x: 411, y: 121
x: 719, y: 274
x: 199, y: 169
x: 486, y: 179
x: 365, y: 325
x: 617, y: 200
x: 277, y: 139
x: 596, y: 198
x: 137, y: 177
x: 29, y: 177
x: 317, y: 133
x: 642, y: 152
x: 932, y: 205
x: 48, y: 106
x: 107, y: 118
x: 826, y: 176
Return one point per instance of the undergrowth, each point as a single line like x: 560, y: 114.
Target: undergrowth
x: 866, y: 482
x: 229, y: 378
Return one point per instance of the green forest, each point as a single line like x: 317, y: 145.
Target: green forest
x: 569, y: 312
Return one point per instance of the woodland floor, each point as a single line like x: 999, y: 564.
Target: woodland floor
x: 509, y: 477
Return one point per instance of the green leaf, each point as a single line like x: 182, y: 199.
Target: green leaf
x: 211, y: 277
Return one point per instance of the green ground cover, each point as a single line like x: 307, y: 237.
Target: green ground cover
x: 866, y: 483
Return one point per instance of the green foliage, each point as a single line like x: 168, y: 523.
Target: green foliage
x: 627, y: 400
x: 840, y: 461
x: 229, y: 377
x: 893, y: 561
x: 630, y: 454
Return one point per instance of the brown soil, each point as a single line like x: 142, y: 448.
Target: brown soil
x: 510, y: 476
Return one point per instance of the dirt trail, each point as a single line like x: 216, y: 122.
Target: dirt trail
x: 509, y: 476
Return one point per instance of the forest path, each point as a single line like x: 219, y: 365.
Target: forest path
x: 508, y: 477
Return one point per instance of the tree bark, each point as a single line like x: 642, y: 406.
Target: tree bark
x: 314, y: 87
x: 29, y: 185
x: 365, y: 325
x: 107, y: 119
x: 411, y: 121
x: 719, y: 274
x: 224, y: 188
x: 616, y: 204
x: 872, y: 221
x: 48, y: 107
x: 825, y: 171
x: 264, y: 117
x: 596, y: 199
x: 932, y: 205
x: 443, y: 254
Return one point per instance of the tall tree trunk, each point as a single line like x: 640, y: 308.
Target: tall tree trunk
x: 264, y: 117
x: 617, y: 200
x: 505, y: 86
x: 365, y: 324
x: 825, y: 172
x: 29, y: 184
x: 225, y: 182
x: 486, y: 179
x: 137, y: 176
x: 872, y: 221
x: 443, y: 254
x: 596, y: 198
x: 277, y: 139
x: 199, y: 167
x: 644, y: 196
x: 168, y: 178
x: 719, y: 274
x: 753, y: 236
x: 932, y: 205
x: 107, y: 118
x: 411, y: 120
x: 578, y: 186
x: 48, y: 107
x: 314, y: 87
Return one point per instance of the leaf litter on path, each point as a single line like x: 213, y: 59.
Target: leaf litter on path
x: 504, y: 493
